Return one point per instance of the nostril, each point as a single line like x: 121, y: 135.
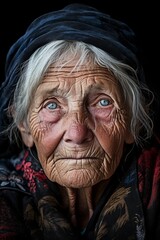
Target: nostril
x: 78, y: 133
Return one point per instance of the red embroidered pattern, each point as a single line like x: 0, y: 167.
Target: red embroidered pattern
x: 149, y: 175
x: 30, y: 174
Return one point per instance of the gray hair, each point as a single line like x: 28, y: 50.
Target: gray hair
x: 56, y: 52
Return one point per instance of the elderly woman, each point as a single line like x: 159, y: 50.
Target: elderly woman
x: 79, y: 159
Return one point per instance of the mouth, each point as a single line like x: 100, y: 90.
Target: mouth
x: 77, y: 158
x: 80, y: 161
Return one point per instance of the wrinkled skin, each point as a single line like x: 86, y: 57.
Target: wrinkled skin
x: 79, y: 124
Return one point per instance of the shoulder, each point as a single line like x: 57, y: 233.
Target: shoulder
x: 10, y: 178
x: 13, y: 197
x: 149, y: 173
x: 149, y: 159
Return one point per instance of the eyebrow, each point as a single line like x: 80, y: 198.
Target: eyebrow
x: 56, y: 91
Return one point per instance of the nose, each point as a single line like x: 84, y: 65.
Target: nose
x: 78, y: 133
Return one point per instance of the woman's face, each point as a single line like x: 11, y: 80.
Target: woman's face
x: 78, y: 122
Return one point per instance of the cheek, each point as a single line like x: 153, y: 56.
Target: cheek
x: 46, y: 134
x: 111, y: 135
x: 112, y: 145
x: 112, y: 142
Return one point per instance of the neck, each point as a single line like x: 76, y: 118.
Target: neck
x: 81, y: 203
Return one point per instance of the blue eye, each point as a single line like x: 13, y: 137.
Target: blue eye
x: 52, y: 106
x: 104, y: 102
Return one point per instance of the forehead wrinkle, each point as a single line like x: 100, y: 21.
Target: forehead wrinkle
x: 93, y: 78
x: 80, y: 71
x: 90, y: 76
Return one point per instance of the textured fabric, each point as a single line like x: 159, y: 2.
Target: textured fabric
x: 74, y: 22
x: 31, y: 206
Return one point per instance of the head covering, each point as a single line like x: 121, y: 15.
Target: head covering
x: 74, y: 22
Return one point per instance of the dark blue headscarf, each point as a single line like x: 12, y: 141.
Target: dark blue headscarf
x: 74, y: 22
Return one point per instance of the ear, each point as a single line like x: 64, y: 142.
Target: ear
x: 26, y: 135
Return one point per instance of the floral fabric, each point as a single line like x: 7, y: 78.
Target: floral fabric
x: 31, y: 207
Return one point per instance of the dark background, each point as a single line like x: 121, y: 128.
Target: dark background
x: 140, y: 15
x: 16, y: 15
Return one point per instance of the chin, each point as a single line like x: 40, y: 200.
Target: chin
x: 77, y: 180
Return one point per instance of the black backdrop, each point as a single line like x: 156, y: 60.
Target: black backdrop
x: 140, y: 15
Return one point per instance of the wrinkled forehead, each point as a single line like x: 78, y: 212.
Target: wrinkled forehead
x: 73, y: 65
x: 74, y: 71
x: 80, y: 82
